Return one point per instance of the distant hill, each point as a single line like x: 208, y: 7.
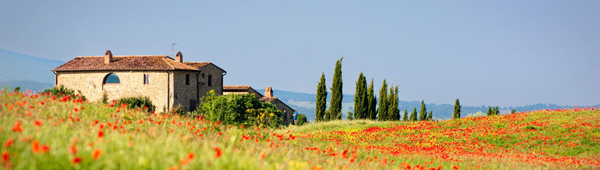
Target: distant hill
x: 304, y: 103
x: 26, y: 85
x: 16, y: 67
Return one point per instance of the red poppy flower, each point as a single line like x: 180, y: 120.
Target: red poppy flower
x: 17, y: 127
x: 5, y: 157
x: 76, y: 160
x: 97, y: 153
x: 73, y: 149
x: 218, y: 152
x: 38, y: 123
x: 8, y: 143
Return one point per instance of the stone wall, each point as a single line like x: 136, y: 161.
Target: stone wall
x: 289, y: 117
x: 216, y: 82
x: 90, y: 83
x: 186, y: 95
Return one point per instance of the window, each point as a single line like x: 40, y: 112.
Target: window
x: 111, y: 78
x: 209, y: 80
x: 146, y: 79
x: 202, y: 75
x: 187, y: 79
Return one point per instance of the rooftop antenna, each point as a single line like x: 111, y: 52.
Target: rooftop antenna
x: 173, y: 49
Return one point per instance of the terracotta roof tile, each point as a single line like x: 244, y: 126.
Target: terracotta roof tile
x: 236, y: 87
x: 149, y: 62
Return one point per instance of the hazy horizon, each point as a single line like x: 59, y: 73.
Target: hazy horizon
x: 504, y: 53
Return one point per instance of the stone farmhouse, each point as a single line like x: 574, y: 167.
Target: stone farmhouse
x: 268, y: 97
x: 167, y: 81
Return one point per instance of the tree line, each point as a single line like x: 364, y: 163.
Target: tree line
x: 367, y: 106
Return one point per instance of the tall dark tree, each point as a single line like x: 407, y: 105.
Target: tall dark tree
x: 496, y: 111
x: 383, y: 104
x: 489, y: 112
x: 321, y: 99
x: 430, y: 116
x: 335, y: 110
x: 393, y: 111
x: 457, y: 106
x: 423, y: 112
x: 413, y: 115
x: 361, y: 104
x: 372, y: 102
x: 405, y: 117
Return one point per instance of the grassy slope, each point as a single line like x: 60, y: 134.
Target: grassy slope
x: 137, y: 140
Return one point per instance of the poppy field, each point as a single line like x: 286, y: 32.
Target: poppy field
x: 40, y: 131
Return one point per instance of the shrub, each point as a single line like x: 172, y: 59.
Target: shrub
x: 239, y: 109
x: 178, y: 109
x: 301, y: 120
x: 63, y: 91
x: 135, y: 102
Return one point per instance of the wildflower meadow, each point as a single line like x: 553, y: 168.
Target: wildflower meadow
x: 41, y: 131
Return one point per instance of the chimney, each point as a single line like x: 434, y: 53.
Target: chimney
x: 108, y: 57
x: 268, y: 92
x: 179, y: 57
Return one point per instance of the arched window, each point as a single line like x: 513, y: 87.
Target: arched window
x: 111, y: 78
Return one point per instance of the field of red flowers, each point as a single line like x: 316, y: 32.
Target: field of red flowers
x: 40, y: 131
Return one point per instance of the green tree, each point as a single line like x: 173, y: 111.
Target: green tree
x: 301, y: 120
x: 361, y: 104
x: 321, y: 99
x: 239, y: 109
x: 372, y: 102
x: 393, y: 111
x: 413, y: 115
x: 405, y: 118
x: 489, y: 111
x: 383, y: 104
x: 513, y: 111
x: 457, y: 106
x: 423, y: 112
x: 350, y: 115
x: 430, y: 116
x: 335, y: 110
x: 496, y: 111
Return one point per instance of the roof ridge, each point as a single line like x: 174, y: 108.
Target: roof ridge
x: 168, y: 63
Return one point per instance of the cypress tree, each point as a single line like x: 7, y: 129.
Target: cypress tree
x: 372, y: 102
x: 335, y: 110
x: 456, y: 113
x: 423, y: 113
x: 496, y: 111
x: 430, y: 116
x: 360, y: 98
x: 393, y: 111
x: 489, y: 112
x: 413, y: 115
x: 321, y: 99
x: 383, y: 103
x: 405, y: 118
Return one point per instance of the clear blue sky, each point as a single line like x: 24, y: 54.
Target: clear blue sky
x: 484, y: 52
